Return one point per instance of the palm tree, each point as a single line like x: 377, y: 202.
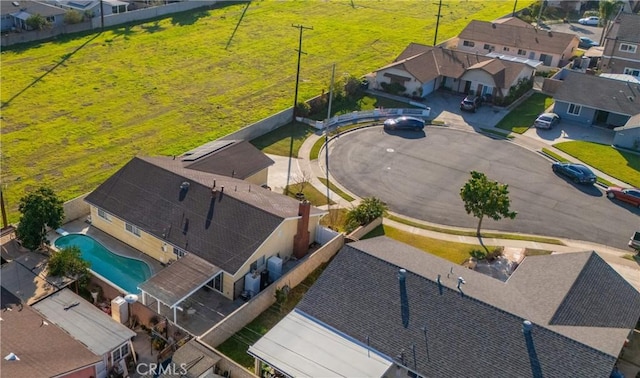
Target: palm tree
x: 607, y: 9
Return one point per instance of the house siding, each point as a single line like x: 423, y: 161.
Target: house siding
x: 627, y: 138
x: 557, y: 60
x: 259, y: 178
x: 586, y: 116
x: 411, y: 84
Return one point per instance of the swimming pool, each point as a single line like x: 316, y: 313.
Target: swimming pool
x: 124, y: 272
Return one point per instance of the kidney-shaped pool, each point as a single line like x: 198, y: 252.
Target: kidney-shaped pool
x: 123, y: 272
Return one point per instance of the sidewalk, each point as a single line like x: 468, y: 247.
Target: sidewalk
x: 628, y: 269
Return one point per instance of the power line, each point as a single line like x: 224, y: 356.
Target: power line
x: 301, y: 28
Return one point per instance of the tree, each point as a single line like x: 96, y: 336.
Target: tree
x: 68, y: 262
x: 72, y: 16
x: 37, y: 22
x: 607, y: 9
x: 40, y: 209
x: 483, y: 197
x: 369, y: 209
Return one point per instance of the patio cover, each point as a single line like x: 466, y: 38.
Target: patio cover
x: 179, y: 280
x: 299, y: 346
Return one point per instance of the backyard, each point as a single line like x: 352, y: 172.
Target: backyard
x: 76, y: 109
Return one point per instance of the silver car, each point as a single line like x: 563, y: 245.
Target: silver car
x: 546, y: 121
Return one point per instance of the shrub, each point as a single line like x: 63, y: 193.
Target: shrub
x: 37, y: 22
x: 72, y: 16
x: 369, y: 209
x: 303, y: 109
x: 393, y: 88
x: 352, y: 86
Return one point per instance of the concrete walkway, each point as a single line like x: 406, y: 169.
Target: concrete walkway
x: 531, y: 140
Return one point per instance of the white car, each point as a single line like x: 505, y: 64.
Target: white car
x: 546, y: 121
x: 593, y: 21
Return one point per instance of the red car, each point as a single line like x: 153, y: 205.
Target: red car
x: 631, y: 195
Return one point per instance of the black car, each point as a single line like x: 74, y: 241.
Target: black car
x: 471, y: 103
x: 404, y: 123
x: 577, y: 173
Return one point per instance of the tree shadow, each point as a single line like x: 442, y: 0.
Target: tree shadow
x: 124, y: 31
x: 63, y: 59
x: 152, y: 28
x: 188, y: 18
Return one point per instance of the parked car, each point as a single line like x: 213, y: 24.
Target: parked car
x: 630, y: 195
x: 405, y: 123
x: 471, y: 103
x: 592, y: 21
x: 577, y: 173
x: 546, y: 121
x: 586, y: 43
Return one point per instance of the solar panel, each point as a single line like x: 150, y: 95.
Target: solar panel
x: 206, y: 149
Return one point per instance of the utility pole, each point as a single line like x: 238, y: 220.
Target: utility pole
x: 301, y: 28
x: 540, y: 13
x: 5, y: 224
x: 326, y: 133
x: 101, y: 16
x: 515, y: 4
x: 435, y: 37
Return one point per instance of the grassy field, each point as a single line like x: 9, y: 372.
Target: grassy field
x: 76, y: 109
x: 624, y: 166
x: 522, y: 116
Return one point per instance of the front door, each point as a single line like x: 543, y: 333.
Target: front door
x: 467, y: 87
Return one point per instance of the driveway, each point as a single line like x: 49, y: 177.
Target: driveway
x: 593, y: 32
x: 420, y: 175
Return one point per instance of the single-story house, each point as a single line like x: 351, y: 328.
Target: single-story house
x: 213, y: 231
x: 383, y: 308
x: 32, y: 346
x: 93, y: 8
x: 518, y: 39
x: 615, y: 103
x: 628, y: 136
x: 422, y: 69
x: 102, y: 335
x: 14, y: 14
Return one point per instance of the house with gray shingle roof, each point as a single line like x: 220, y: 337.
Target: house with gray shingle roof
x: 553, y: 49
x: 40, y: 348
x: 384, y: 304
x: 573, y: 93
x: 14, y: 14
x: 422, y: 69
x: 211, y: 230
x: 621, y: 52
x: 628, y: 136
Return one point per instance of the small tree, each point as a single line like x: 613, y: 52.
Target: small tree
x: 39, y: 210
x: 68, y: 262
x: 369, y: 209
x: 352, y: 86
x: 483, y: 197
x: 72, y: 16
x: 37, y: 22
x: 607, y: 9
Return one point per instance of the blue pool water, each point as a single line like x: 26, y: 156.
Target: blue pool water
x: 123, y: 272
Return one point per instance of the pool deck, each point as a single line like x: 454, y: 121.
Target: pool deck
x: 111, y: 243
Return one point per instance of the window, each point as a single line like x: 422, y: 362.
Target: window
x: 574, y: 109
x: 505, y: 48
x: 489, y: 47
x: 120, y: 352
x: 104, y: 215
x: 522, y: 52
x: 216, y: 283
x: 257, y: 264
x: 625, y: 47
x: 632, y: 71
x: 132, y: 229
x: 179, y: 252
x: 51, y: 19
x: 468, y: 43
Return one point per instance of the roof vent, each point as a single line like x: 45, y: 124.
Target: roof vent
x: 493, y: 26
x: 631, y: 98
x: 11, y: 357
x: 550, y: 34
x: 526, y: 326
x: 184, y: 185
x: 15, y: 4
x: 461, y: 282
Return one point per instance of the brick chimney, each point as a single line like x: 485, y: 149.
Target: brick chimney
x: 301, y: 240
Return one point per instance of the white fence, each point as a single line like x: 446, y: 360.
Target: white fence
x: 324, y: 235
x: 369, y: 115
x: 148, y: 13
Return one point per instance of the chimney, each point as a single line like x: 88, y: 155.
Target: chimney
x: 301, y: 240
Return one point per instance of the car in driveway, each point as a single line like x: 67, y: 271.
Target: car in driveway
x: 404, y: 123
x: 546, y: 121
x: 577, y: 173
x: 591, y: 21
x: 471, y: 103
x: 629, y: 195
x: 586, y: 43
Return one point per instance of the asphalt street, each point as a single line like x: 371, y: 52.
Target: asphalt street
x: 420, y: 175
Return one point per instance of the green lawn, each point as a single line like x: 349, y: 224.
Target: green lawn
x: 624, y: 166
x: 522, y: 116
x: 311, y: 194
x: 335, y: 189
x: 278, y: 141
x: 76, y: 109
x: 452, y: 251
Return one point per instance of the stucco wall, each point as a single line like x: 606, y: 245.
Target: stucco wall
x: 147, y: 13
x: 75, y: 209
x: 262, y: 127
x: 586, y: 116
x: 361, y: 231
x: 259, y: 178
x: 627, y: 138
x: 259, y: 303
x: 411, y: 85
